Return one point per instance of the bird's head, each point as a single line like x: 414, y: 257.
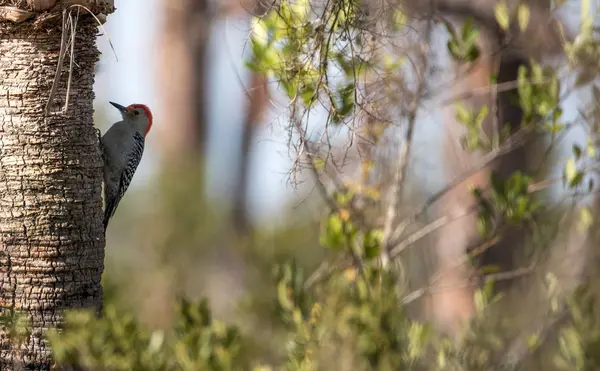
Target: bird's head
x: 138, y: 114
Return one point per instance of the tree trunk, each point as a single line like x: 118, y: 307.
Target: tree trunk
x: 455, y: 304
x: 257, y: 105
x: 51, y: 235
x: 452, y: 306
x: 182, y: 72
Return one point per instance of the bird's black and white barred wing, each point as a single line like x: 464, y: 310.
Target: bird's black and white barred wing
x: 133, y: 160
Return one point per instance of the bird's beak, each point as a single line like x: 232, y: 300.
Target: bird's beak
x: 119, y: 107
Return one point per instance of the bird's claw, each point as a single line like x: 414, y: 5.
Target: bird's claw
x: 99, y: 135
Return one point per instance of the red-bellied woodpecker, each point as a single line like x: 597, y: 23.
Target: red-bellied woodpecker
x: 122, y: 148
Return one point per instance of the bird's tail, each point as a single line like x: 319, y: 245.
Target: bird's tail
x: 109, y: 210
x: 108, y: 213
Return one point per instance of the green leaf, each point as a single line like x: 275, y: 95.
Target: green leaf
x: 342, y: 198
x: 557, y: 114
x: 462, y: 114
x: 308, y: 96
x: 533, y: 341
x: 332, y: 236
x: 480, y: 302
x: 400, y: 19
x: 372, y: 252
x: 571, y: 344
x: 555, y: 128
x: 283, y: 296
x: 260, y: 33
x: 570, y: 170
x: 441, y: 359
x: 300, y: 8
x: 585, y: 9
x: 466, y: 28
x: 490, y: 268
x: 502, y: 17
x: 470, y: 39
x: 418, y: 334
x: 585, y: 218
x: 334, y: 224
x: 537, y: 73
x: 389, y: 64
x: 523, y: 16
x: 345, y: 102
x: 453, y: 49
x: 319, y: 163
x: 488, y: 289
x: 481, y: 115
x: 577, y: 151
x: 372, y: 242
x: 473, y: 53
x: 291, y: 88
x: 590, y: 149
x: 577, y: 180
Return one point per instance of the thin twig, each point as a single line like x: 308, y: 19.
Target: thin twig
x: 404, y: 153
x: 319, y: 183
x: 73, y: 27
x: 354, y: 252
x: 473, y: 281
x: 400, y: 246
x: 511, y: 144
x: 326, y: 269
x: 325, y: 194
x: 99, y: 25
x: 492, y: 88
x: 66, y: 21
x: 61, y: 57
x: 539, y: 186
x: 396, y: 191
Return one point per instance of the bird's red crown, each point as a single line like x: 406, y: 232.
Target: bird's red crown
x: 148, y: 114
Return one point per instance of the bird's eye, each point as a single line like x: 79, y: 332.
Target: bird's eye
x: 136, y: 112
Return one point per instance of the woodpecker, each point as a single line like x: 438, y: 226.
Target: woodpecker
x: 122, y: 150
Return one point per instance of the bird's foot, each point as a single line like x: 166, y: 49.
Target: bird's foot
x: 99, y: 135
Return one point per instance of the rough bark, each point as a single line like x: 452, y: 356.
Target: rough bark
x: 51, y: 235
